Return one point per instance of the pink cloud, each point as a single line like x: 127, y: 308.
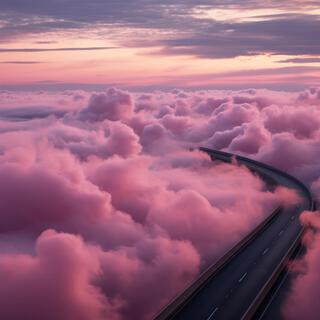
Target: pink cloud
x: 131, y: 204
x: 253, y: 138
x: 287, y: 152
x: 133, y: 273
x: 122, y: 140
x: 113, y: 105
x: 55, y: 283
x: 302, y: 302
x: 301, y: 121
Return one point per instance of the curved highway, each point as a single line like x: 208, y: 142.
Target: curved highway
x: 237, y: 284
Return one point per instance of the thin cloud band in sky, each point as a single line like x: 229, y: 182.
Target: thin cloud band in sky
x: 53, y: 49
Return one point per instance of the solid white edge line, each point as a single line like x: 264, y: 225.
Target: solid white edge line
x: 273, y: 296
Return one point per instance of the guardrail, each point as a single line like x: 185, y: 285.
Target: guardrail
x: 182, y: 299
x: 229, y: 156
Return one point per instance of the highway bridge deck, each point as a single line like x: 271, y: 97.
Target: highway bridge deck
x: 235, y: 289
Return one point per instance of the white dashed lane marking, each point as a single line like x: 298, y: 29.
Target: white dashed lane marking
x: 243, y: 277
x: 212, y: 313
x: 265, y: 251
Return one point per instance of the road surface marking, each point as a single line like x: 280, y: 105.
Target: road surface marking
x: 281, y: 232
x: 212, y: 313
x: 265, y: 251
x: 243, y: 277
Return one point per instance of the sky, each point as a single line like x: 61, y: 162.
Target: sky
x: 146, y: 45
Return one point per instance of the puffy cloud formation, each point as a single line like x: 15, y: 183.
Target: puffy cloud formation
x: 303, y: 301
x: 113, y: 105
x: 55, y: 283
x: 102, y: 200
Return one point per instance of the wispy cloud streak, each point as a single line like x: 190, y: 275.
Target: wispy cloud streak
x: 26, y: 50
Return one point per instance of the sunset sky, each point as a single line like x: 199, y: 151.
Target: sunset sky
x: 145, y: 45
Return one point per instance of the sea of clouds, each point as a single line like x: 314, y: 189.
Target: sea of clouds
x: 107, y: 213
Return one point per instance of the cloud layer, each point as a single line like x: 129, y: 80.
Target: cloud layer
x: 103, y: 201
x: 180, y: 27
